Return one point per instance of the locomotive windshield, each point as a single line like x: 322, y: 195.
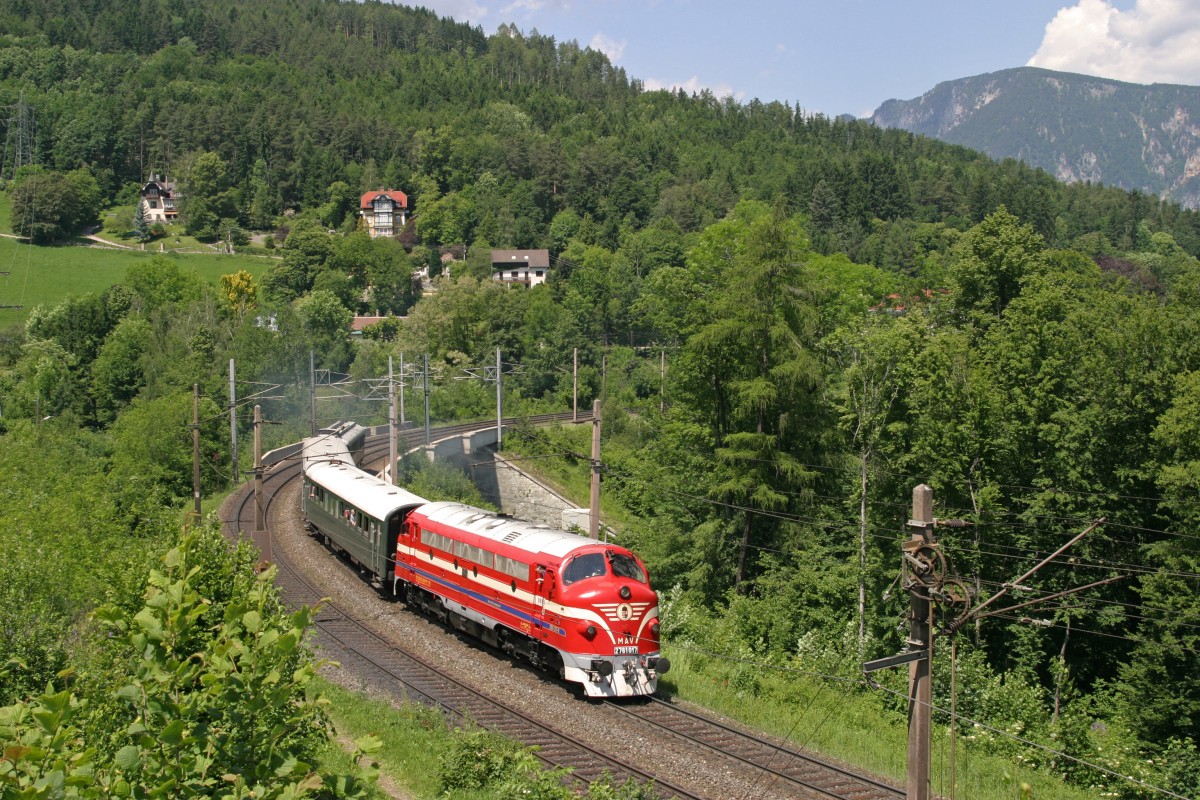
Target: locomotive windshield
x: 624, y: 566
x: 588, y: 565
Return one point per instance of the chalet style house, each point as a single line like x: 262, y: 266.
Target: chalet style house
x: 529, y: 267
x: 160, y: 200
x: 385, y: 211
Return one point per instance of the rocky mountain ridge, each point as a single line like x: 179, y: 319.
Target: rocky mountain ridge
x: 1076, y: 127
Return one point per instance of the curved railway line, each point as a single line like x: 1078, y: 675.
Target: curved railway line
x: 769, y: 768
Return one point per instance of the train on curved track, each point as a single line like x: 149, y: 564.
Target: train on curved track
x: 569, y: 604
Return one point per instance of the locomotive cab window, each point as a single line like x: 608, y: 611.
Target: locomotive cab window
x: 624, y: 566
x: 582, y: 567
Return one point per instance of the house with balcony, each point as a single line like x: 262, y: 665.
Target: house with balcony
x: 160, y: 200
x: 529, y: 267
x: 385, y: 212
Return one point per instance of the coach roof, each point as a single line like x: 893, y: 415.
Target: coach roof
x: 373, y: 496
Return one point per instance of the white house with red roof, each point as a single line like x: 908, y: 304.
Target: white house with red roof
x: 385, y: 211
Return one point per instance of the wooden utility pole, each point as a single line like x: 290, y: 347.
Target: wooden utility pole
x: 312, y: 391
x: 575, y: 386
x: 402, y: 389
x: 920, y: 694
x: 196, y: 445
x: 233, y: 439
x: 604, y: 377
x: 499, y: 402
x: 260, y: 519
x: 426, y: 385
x: 391, y: 423
x: 594, y: 517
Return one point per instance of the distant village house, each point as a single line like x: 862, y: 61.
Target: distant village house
x: 385, y: 212
x: 529, y: 267
x: 160, y: 200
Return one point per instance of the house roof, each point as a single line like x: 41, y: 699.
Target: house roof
x: 164, y: 187
x: 400, y: 197
x: 358, y: 323
x: 503, y: 259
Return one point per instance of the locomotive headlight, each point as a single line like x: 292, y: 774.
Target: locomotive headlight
x: 625, y: 593
x: 590, y: 631
x: 654, y: 629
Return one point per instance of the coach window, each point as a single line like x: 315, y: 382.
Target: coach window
x: 588, y: 565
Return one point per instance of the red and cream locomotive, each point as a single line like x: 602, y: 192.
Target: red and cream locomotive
x: 567, y: 603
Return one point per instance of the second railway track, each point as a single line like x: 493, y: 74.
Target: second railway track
x: 760, y: 767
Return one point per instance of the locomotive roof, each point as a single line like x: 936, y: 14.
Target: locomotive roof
x: 328, y: 463
x: 528, y: 536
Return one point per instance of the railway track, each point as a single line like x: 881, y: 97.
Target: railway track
x: 781, y: 765
x: 777, y: 770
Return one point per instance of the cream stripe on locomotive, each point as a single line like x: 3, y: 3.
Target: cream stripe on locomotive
x: 567, y: 612
x: 622, y: 612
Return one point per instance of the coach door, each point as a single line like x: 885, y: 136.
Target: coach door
x: 545, y: 585
x: 391, y: 535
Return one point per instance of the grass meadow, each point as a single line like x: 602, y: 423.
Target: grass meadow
x: 33, y: 275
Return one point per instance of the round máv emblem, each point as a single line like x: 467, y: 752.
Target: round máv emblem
x: 624, y: 612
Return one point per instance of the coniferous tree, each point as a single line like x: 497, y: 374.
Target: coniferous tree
x: 141, y: 229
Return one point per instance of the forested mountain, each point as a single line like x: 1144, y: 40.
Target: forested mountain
x: 1076, y: 127
x: 492, y: 136
x: 805, y: 316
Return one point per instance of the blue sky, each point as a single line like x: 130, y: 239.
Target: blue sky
x: 848, y: 56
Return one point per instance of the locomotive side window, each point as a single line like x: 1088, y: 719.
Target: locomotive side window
x: 473, y: 553
x: 588, y: 565
x: 512, y: 567
x: 431, y: 539
x: 625, y: 567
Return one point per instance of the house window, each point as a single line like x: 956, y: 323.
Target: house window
x: 153, y: 204
x: 538, y: 273
x: 515, y: 274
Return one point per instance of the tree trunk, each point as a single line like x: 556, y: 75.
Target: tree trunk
x: 1062, y: 673
x: 741, y: 569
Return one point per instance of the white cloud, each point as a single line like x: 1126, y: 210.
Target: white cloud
x: 461, y: 10
x: 522, y: 7
x: 1156, y: 41
x: 610, y: 48
x: 693, y: 85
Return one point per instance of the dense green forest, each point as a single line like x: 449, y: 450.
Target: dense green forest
x: 843, y: 313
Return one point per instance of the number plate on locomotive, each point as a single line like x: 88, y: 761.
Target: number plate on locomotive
x: 625, y: 651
